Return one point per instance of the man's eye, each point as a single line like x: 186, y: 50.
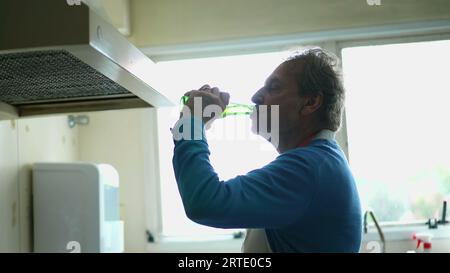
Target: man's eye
x: 273, y: 87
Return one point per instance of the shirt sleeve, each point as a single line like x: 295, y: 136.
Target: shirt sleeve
x: 273, y: 196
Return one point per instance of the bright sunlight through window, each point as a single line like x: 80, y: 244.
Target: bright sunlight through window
x: 234, y: 149
x: 398, y: 127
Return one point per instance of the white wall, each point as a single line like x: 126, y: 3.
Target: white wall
x: 117, y: 138
x: 22, y: 143
x: 158, y: 23
x: 9, y: 191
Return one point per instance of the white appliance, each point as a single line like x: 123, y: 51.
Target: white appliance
x: 76, y: 208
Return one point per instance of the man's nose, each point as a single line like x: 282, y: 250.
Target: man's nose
x: 258, y: 97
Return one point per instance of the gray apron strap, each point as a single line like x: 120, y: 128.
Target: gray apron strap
x: 256, y: 242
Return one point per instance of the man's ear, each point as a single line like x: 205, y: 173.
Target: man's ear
x: 312, y: 104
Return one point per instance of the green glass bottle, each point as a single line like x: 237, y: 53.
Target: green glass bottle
x: 231, y: 109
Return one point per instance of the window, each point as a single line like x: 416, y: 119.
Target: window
x: 234, y: 149
x: 398, y: 129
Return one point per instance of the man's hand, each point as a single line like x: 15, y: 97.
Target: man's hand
x: 211, y: 100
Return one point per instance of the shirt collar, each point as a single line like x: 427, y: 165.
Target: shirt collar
x: 325, y: 134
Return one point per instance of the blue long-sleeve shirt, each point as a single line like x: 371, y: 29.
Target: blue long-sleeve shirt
x: 306, y: 199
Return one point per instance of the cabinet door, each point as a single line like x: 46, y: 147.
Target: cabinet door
x: 9, y: 193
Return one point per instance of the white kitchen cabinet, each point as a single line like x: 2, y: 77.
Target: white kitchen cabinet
x: 9, y: 191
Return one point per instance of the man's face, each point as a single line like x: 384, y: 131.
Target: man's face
x: 281, y: 89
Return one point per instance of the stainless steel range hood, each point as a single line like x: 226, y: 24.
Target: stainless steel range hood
x: 61, y: 58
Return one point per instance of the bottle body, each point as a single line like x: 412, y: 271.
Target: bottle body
x: 231, y: 109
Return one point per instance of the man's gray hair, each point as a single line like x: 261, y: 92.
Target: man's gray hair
x: 321, y: 75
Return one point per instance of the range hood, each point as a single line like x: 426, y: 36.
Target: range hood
x: 59, y: 56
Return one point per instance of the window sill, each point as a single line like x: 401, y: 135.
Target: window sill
x: 402, y: 232
x: 218, y: 245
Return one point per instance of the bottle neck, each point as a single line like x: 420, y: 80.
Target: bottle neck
x: 231, y: 109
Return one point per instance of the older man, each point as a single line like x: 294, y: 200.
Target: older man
x: 305, y: 200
